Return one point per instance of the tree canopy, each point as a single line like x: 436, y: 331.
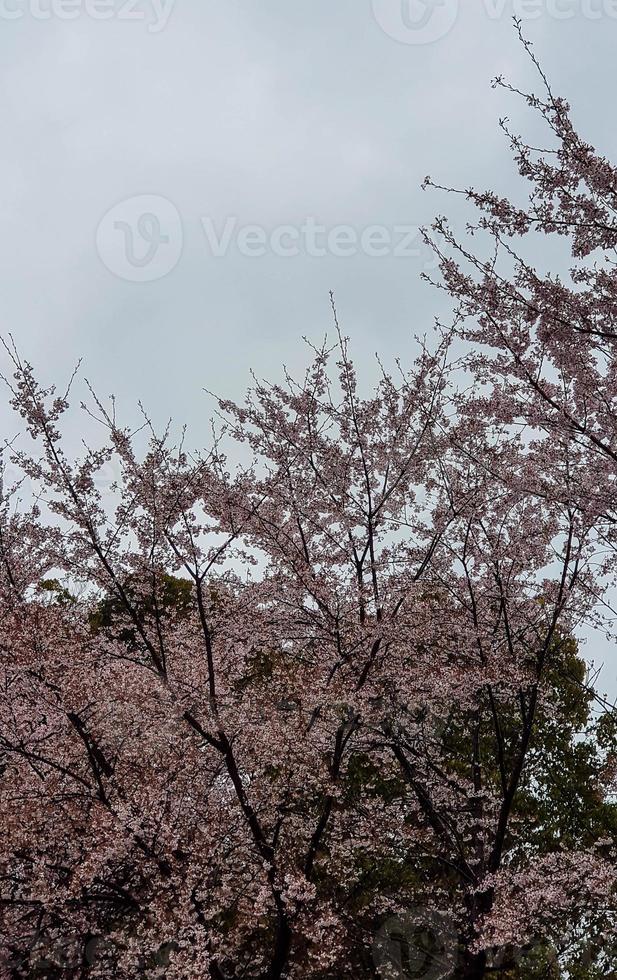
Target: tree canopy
x: 324, y: 715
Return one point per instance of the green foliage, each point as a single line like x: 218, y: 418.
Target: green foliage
x: 169, y: 596
x: 56, y: 592
x: 562, y: 804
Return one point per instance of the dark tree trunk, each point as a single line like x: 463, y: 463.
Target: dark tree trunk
x: 282, y: 945
x: 471, y: 966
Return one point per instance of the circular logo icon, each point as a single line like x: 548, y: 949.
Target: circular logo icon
x: 416, y: 21
x: 423, y: 946
x: 141, y: 239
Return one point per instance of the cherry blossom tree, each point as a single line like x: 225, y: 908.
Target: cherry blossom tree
x: 321, y: 713
x: 259, y: 720
x: 541, y: 345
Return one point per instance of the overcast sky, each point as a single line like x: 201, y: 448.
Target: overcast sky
x: 142, y: 140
